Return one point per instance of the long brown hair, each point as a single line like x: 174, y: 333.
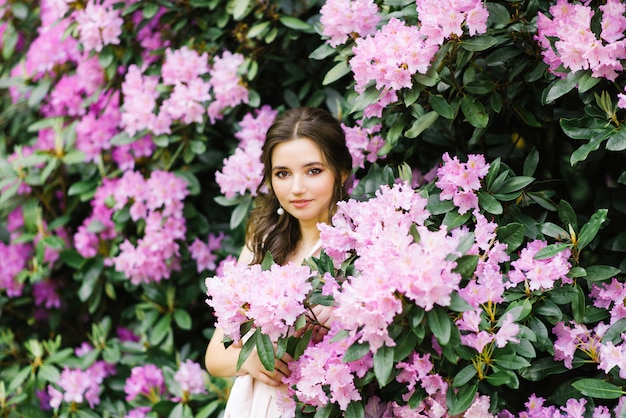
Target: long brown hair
x: 266, y: 230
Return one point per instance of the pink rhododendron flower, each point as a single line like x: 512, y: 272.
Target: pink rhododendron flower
x: 608, y: 296
x: 183, y: 66
x: 539, y: 274
x: 460, y: 181
x: 243, y: 171
x: 99, y: 24
x: 226, y: 84
x: 14, y: 259
x: 144, y: 380
x: 363, y: 144
x: 78, y: 386
x: 190, y: 376
x: 140, y: 96
x: 204, y: 253
x: 577, y: 47
x: 274, y: 307
x: 345, y: 19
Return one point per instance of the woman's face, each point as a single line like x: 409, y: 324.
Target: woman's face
x: 302, y: 181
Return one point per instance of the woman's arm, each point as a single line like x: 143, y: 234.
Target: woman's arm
x: 222, y: 362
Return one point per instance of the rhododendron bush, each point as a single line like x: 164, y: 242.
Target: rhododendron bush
x: 476, y: 270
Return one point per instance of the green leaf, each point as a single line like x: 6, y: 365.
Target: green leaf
x: 182, y: 319
x: 39, y: 92
x: 615, y: 331
x: 541, y: 368
x: 514, y: 184
x: 356, y: 352
x: 459, y: 401
x: 258, y: 29
x: 511, y: 234
x: 596, y: 388
x: 322, y: 51
x: 240, y: 9
x: 554, y: 231
x: 489, y: 203
x: 567, y: 215
x: 441, y: 106
x: 466, y: 265
x: 337, y: 72
x: 617, y: 141
x: 161, y: 329
x: 531, y: 162
x: 265, y: 349
x: 421, y: 124
x: 439, y: 323
x: 296, y: 24
x: 474, y: 111
x: 48, y: 373
x: 480, y: 86
x: 598, y: 273
x: 511, y: 362
x: 551, y: 250
x: 464, y: 376
x: 561, y: 87
x: 354, y: 410
x: 589, y: 230
x: 383, y: 365
x: 479, y: 43
x: 240, y: 212
x: 247, y: 348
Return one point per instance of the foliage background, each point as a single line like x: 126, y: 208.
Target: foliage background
x: 491, y: 94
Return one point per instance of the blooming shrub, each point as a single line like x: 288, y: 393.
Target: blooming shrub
x: 129, y: 142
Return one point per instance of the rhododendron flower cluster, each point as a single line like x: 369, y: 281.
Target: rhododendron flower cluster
x: 158, y: 201
x: 273, y: 298
x: 99, y: 24
x: 226, y: 84
x: 577, y: 47
x: 345, y: 19
x: 243, y: 170
x: 539, y: 274
x: 145, y: 381
x: 321, y: 369
x: 363, y: 143
x: 204, y: 253
x: 459, y: 181
x: 190, y: 376
x: 397, y: 51
x: 78, y: 386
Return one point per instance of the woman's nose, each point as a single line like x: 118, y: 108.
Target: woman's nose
x: 298, y: 186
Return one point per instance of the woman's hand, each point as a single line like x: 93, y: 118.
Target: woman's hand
x: 255, y: 368
x: 322, y: 317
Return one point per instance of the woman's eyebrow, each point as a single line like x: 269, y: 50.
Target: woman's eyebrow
x: 311, y: 164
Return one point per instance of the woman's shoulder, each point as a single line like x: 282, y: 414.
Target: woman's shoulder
x: 246, y: 256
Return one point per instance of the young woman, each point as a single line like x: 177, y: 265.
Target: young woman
x: 306, y: 165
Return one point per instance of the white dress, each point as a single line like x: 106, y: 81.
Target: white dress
x: 250, y: 398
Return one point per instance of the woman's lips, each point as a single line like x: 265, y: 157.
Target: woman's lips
x: 300, y: 203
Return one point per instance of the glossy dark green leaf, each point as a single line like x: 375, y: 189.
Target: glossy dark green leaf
x: 160, y: 329
x: 489, y: 203
x: 617, y: 140
x: 421, y: 124
x: 542, y: 368
x: 441, y: 106
x: 597, y: 272
x: 589, y: 230
x: 474, y: 111
x: 440, y: 324
x: 562, y: 86
x: 265, y: 350
x: 511, y: 362
x: 464, y: 376
x: 478, y: 43
x: 355, y: 410
x: 296, y: 24
x: 337, y: 72
x: 384, y: 365
x: 461, y: 399
x: 355, y: 352
x: 550, y: 251
x: 615, y: 331
x: 600, y: 389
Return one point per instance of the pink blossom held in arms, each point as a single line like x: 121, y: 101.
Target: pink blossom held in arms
x: 227, y: 85
x: 345, y: 19
x: 145, y: 380
x: 273, y: 298
x: 99, y: 24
